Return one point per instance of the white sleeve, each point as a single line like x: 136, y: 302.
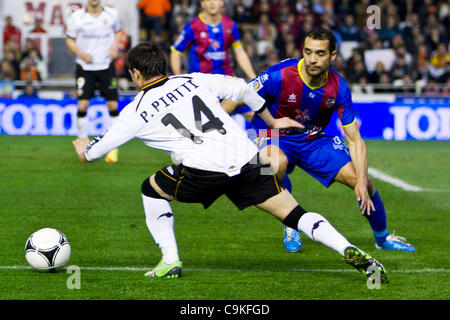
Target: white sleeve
x: 236, y: 89
x: 121, y: 131
x: 71, y: 26
x: 117, y: 26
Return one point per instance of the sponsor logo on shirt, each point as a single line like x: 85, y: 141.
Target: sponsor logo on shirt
x: 180, y: 38
x: 214, y: 44
x: 219, y: 55
x: 256, y: 84
x: 303, y: 115
x: 292, y: 98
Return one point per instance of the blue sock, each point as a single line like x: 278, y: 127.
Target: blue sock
x: 377, y: 219
x: 287, y: 183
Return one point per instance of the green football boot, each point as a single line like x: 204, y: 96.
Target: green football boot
x: 365, y: 264
x: 163, y: 270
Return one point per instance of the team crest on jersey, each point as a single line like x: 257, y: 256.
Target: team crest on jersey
x: 256, y: 84
x: 228, y: 30
x: 330, y: 102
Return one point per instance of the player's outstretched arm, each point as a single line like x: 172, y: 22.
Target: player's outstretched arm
x: 244, y: 62
x: 358, y: 153
x: 279, y: 123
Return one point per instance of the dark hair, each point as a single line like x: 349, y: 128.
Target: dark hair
x: 148, y: 58
x: 323, y: 34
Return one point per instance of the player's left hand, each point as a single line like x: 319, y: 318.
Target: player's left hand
x: 113, y: 52
x: 286, y: 123
x: 80, y: 145
x: 362, y: 195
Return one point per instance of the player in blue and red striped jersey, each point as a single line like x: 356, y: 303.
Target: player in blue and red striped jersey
x: 209, y: 38
x: 309, y: 91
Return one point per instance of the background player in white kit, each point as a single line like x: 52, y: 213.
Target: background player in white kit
x: 93, y: 35
x: 183, y: 115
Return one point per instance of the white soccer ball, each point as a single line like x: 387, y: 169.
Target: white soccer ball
x: 47, y: 249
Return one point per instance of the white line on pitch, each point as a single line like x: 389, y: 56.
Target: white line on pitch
x: 142, y: 269
x: 400, y: 183
x: 394, y: 181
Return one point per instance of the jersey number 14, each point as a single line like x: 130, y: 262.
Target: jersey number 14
x: 200, y: 108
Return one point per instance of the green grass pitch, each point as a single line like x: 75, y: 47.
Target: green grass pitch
x: 227, y: 254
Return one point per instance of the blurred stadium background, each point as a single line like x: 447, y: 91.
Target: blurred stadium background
x: 395, y: 54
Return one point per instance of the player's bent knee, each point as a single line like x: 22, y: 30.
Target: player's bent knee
x: 293, y: 217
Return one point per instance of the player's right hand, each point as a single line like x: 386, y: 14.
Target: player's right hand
x: 86, y: 57
x: 80, y: 145
x: 362, y: 195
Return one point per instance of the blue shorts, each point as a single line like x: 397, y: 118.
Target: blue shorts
x: 321, y: 157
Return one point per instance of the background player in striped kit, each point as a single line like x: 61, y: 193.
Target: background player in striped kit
x: 209, y: 37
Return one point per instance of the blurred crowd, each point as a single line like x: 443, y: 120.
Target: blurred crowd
x: 22, y: 63
x: 398, y: 45
x: 408, y: 47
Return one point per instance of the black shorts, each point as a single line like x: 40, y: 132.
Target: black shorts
x: 104, y: 80
x: 189, y: 185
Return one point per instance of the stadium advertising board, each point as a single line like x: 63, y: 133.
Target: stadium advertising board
x: 404, y: 118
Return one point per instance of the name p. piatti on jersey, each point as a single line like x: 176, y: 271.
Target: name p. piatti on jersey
x: 169, y: 98
x: 183, y: 116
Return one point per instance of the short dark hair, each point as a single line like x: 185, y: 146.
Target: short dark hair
x: 321, y: 33
x: 148, y: 58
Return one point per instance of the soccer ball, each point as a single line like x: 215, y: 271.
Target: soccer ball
x: 47, y: 249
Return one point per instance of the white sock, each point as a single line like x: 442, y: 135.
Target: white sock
x: 316, y: 227
x: 82, y: 124
x: 159, y: 219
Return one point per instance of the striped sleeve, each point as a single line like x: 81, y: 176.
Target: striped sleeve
x: 184, y: 40
x: 345, y: 105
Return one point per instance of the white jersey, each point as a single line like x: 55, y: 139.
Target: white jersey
x: 94, y: 35
x: 183, y: 116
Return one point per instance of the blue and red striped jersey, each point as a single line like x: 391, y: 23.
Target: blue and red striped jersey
x: 208, y: 45
x: 289, y: 96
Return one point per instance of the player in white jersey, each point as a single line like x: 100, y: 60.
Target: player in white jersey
x: 93, y: 35
x: 183, y: 115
